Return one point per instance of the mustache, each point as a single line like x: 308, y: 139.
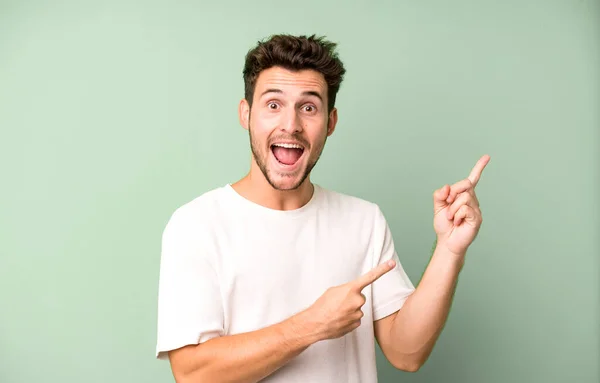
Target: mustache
x: 282, y: 137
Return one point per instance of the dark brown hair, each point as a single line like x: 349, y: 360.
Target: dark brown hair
x: 295, y: 53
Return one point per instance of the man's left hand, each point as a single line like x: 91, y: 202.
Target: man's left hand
x: 457, y: 216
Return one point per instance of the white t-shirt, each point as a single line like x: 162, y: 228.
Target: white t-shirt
x: 229, y: 265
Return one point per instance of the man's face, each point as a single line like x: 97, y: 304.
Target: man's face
x: 288, y: 124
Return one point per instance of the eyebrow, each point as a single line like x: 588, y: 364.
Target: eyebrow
x: 305, y: 93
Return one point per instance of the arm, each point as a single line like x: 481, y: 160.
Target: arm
x: 408, y: 336
x: 247, y: 357
x: 252, y: 356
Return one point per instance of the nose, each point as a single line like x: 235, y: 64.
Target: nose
x: 291, y: 122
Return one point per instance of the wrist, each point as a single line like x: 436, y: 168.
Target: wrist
x: 303, y: 329
x: 444, y: 254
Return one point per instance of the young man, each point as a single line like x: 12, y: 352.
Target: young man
x: 273, y: 278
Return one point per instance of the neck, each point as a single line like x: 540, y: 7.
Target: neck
x: 254, y: 187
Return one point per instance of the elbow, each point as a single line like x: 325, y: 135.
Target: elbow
x: 203, y: 374
x: 189, y: 366
x: 409, y: 363
x: 186, y: 377
x: 193, y: 377
x: 179, y: 378
x: 407, y: 366
x: 412, y: 367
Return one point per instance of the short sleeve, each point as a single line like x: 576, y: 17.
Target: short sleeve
x: 190, y: 310
x: 392, y: 289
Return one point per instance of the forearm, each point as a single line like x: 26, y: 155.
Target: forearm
x: 247, y: 357
x: 419, y: 323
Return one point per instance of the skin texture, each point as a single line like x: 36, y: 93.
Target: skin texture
x: 408, y: 336
x: 252, y: 356
x: 291, y: 106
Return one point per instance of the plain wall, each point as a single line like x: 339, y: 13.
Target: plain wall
x: 115, y: 113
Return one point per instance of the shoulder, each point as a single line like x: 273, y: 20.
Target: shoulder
x: 351, y: 205
x: 196, y: 213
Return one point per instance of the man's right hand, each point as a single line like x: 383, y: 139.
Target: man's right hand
x: 254, y: 355
x: 338, y: 310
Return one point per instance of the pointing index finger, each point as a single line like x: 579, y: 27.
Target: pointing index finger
x: 478, y: 169
x: 374, y: 274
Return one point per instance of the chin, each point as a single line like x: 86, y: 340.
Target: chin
x: 286, y: 182
x: 286, y: 177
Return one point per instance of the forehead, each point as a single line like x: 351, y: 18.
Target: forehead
x: 291, y: 82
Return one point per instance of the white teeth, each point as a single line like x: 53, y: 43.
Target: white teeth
x: 289, y: 146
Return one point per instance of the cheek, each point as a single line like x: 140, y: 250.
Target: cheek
x: 263, y: 127
x: 265, y: 118
x: 316, y: 132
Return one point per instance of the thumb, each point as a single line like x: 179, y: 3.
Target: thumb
x: 439, y: 198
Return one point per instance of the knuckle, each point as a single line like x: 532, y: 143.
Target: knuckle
x: 359, y: 302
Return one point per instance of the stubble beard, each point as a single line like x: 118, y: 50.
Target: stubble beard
x: 260, y: 157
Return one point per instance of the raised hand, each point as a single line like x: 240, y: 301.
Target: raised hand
x: 457, y: 216
x: 338, y: 310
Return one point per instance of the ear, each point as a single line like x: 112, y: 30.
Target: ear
x: 333, y: 118
x: 244, y: 113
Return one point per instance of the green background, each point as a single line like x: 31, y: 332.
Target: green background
x: 115, y: 113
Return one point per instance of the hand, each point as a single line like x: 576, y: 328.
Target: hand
x: 338, y: 310
x: 457, y: 217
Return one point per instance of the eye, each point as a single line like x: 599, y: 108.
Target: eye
x: 310, y: 108
x: 272, y: 105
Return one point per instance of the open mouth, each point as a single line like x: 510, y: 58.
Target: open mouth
x: 287, y: 153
